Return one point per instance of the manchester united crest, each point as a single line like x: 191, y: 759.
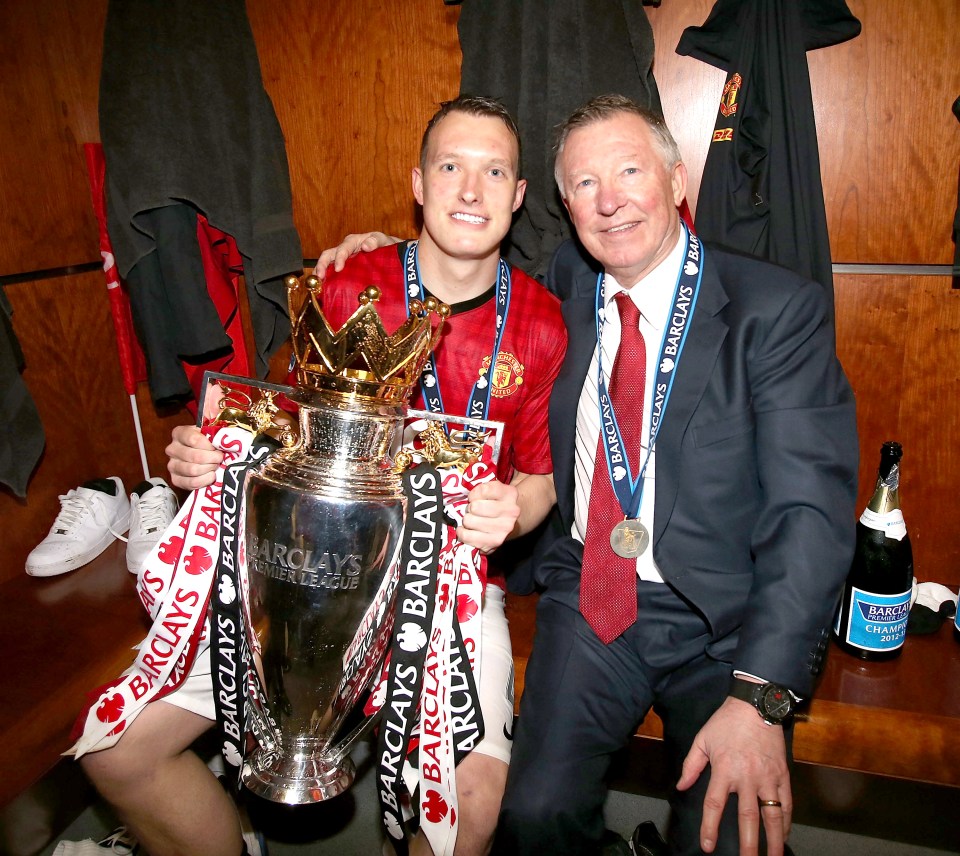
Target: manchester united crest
x: 728, y: 101
x: 507, y: 374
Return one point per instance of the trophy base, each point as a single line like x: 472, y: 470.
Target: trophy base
x: 295, y: 781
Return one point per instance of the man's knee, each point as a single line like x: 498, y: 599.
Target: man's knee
x: 481, y: 777
x: 480, y: 783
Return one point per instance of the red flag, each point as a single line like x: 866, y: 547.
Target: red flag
x: 222, y: 267
x: 132, y: 364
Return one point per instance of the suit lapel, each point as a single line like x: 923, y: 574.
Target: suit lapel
x: 703, y: 343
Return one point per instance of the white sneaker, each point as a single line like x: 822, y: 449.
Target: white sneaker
x: 153, y: 505
x: 119, y: 842
x: 90, y: 517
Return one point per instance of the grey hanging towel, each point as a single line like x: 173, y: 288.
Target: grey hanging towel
x: 184, y: 118
x: 542, y: 59
x: 22, y: 436
x: 761, y: 191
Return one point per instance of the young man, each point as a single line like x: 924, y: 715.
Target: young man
x: 468, y: 186
x: 701, y: 585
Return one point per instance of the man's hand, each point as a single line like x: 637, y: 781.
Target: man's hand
x: 193, y: 459
x: 492, y: 512
x: 350, y: 246
x: 746, y: 757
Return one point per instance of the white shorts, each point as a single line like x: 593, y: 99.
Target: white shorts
x: 496, y: 678
x: 496, y: 681
x: 196, y: 692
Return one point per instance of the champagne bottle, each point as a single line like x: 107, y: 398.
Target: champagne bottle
x: 871, y: 621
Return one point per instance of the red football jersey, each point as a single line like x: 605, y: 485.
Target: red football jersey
x: 531, y: 350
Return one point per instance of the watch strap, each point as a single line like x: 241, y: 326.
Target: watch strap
x: 744, y: 690
x: 754, y: 693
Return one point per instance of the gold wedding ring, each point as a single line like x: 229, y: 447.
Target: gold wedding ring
x: 768, y: 803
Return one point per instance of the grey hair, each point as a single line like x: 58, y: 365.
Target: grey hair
x: 606, y: 107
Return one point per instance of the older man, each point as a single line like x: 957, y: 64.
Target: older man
x: 705, y: 458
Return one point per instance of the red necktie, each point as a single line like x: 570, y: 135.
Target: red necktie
x: 608, y: 583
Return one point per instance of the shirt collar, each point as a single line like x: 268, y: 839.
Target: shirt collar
x: 654, y: 293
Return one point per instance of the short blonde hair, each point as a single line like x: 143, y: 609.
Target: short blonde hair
x: 472, y: 105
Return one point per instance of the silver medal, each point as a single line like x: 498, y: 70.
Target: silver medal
x: 629, y: 539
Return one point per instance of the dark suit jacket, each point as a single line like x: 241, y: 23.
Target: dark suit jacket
x: 757, y: 462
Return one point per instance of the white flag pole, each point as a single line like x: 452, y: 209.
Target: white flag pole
x: 140, y: 445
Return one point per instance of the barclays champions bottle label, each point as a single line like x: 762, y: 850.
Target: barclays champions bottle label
x: 877, y: 622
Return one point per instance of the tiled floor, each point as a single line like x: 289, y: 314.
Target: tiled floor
x: 354, y: 833
x: 347, y: 826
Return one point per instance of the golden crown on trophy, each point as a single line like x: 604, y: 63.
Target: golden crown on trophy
x: 361, y: 358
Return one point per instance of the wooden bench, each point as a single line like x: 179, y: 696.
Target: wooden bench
x: 900, y: 718
x: 65, y: 635
x: 59, y: 638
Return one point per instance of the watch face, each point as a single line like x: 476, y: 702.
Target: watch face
x: 775, y: 703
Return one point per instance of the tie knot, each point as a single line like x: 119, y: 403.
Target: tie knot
x: 629, y: 314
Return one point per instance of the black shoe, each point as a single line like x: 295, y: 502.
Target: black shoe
x: 646, y: 841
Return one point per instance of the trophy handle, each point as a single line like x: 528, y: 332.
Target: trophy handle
x: 265, y: 732
x: 342, y: 749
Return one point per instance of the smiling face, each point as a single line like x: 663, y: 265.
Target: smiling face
x: 468, y: 186
x: 622, y: 194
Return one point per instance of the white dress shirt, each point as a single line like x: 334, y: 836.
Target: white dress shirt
x: 653, y: 296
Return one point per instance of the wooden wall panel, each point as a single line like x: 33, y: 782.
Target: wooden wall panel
x: 50, y: 68
x: 64, y: 328
x: 354, y: 83
x: 889, y: 145
x: 898, y: 338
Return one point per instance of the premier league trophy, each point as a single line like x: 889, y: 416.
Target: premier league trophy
x: 323, y: 527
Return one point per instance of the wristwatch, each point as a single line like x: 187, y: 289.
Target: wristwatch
x: 774, y: 703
